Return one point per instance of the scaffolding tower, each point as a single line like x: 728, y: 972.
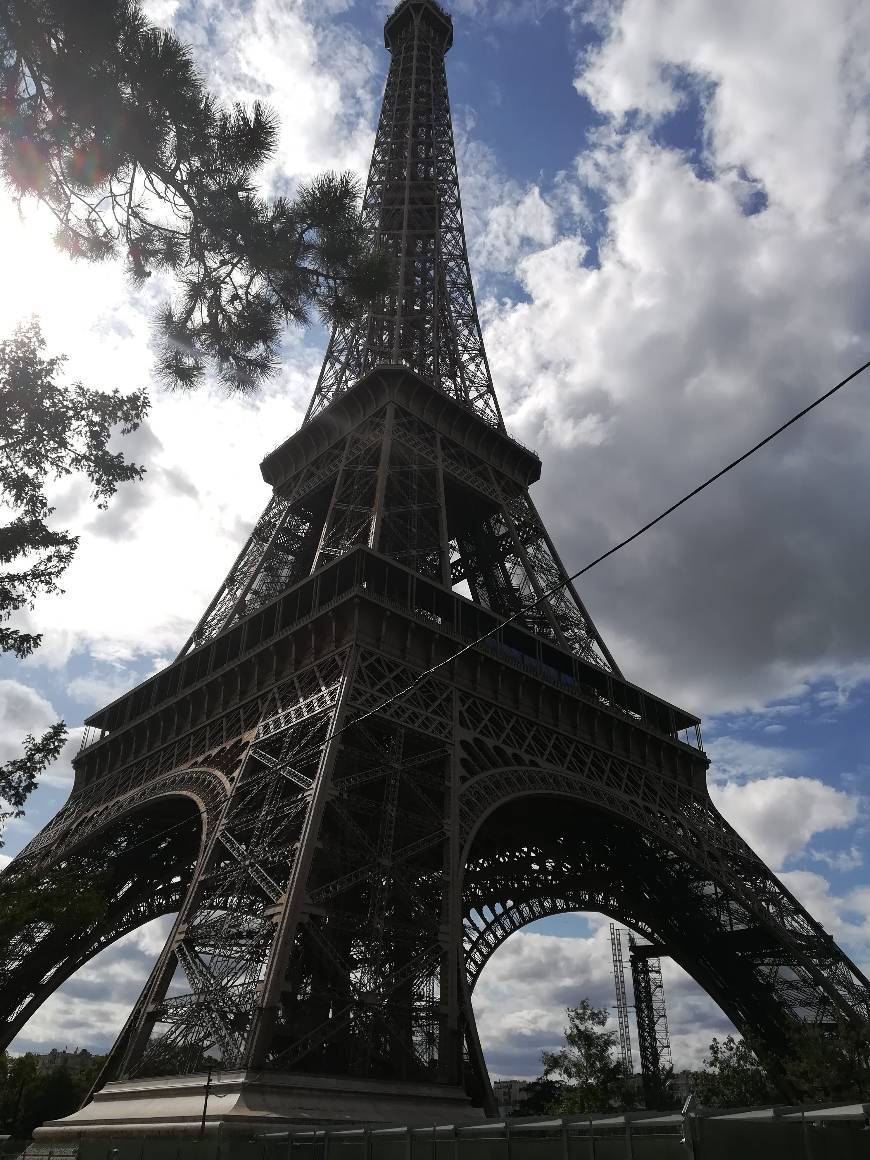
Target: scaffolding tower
x: 654, y: 1043
x: 621, y: 1000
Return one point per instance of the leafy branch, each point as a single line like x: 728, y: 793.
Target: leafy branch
x: 105, y: 120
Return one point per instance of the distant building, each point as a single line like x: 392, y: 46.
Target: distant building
x: 78, y: 1060
x: 510, y: 1095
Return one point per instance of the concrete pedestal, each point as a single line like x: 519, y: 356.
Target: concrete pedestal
x: 243, y: 1103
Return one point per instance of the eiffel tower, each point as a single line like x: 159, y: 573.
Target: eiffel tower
x: 347, y: 836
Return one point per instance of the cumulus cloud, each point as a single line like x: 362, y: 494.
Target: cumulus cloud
x: 91, y: 1007
x: 23, y: 710
x: 95, y: 689
x: 695, y: 327
x: 321, y: 77
x: 512, y: 225
x: 779, y: 815
x: 505, y: 220
x: 522, y: 994
x: 734, y: 759
x: 840, y: 860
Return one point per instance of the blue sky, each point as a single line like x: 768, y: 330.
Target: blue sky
x: 666, y: 206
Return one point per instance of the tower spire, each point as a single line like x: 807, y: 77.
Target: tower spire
x: 427, y: 321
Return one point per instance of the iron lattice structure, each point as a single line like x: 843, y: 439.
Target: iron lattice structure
x: 340, y: 880
x: 653, y: 1036
x: 621, y: 998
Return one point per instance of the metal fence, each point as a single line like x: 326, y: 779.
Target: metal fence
x: 761, y: 1134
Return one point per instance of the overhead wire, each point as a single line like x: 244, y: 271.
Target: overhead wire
x: 521, y: 613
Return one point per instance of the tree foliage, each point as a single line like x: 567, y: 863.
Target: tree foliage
x: 49, y: 431
x: 543, y: 1096
x: 732, y: 1076
x: 105, y: 120
x: 585, y: 1073
x: 30, y: 1094
x: 822, y: 1062
x: 19, y: 775
x: 830, y: 1063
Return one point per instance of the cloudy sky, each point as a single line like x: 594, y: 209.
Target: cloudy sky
x: 666, y: 205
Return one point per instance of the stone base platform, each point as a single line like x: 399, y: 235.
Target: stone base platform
x: 244, y: 1103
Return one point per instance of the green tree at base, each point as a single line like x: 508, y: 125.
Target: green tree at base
x: 830, y: 1063
x: 584, y: 1075
x: 732, y: 1076
x: 822, y: 1063
x: 30, y: 1095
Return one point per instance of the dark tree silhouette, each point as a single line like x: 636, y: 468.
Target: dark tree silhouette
x: 48, y: 431
x: 67, y: 895
x: 830, y: 1062
x: 105, y: 120
x: 30, y: 1094
x: 19, y: 776
x: 732, y: 1077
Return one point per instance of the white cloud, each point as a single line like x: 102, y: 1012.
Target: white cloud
x: 510, y: 227
x: 91, y: 1007
x: 320, y: 77
x: 779, y: 77
x: 734, y: 759
x: 23, y: 710
x: 779, y: 815
x: 520, y: 999
x: 95, y: 691
x: 638, y: 367
x: 160, y: 11
x: 840, y: 860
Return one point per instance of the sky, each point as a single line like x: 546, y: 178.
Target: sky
x: 666, y: 209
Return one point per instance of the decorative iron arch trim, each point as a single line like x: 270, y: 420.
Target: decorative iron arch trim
x: 207, y: 787
x: 699, y: 834
x: 521, y: 914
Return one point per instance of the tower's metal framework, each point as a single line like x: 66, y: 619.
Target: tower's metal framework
x: 621, y: 998
x: 342, y: 863
x: 653, y: 1036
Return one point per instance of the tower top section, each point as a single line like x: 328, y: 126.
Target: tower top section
x: 426, y: 321
x: 426, y: 12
